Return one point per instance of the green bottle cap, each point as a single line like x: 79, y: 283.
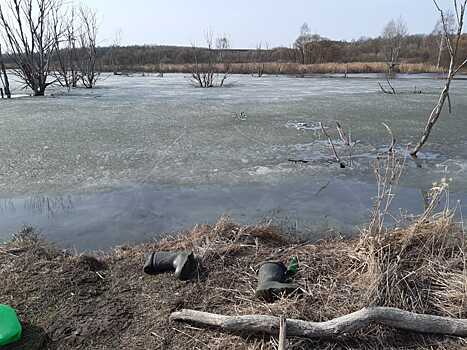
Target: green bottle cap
x: 293, y: 266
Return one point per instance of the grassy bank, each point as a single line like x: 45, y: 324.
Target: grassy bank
x: 289, y: 68
x: 104, y: 301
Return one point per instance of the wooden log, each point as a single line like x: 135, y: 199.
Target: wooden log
x: 350, y: 323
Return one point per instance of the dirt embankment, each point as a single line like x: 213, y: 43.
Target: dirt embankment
x: 106, y: 302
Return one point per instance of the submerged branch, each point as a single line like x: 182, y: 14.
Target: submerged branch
x: 331, y: 144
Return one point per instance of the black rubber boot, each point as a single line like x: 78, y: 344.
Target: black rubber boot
x: 183, y: 263
x: 272, y: 281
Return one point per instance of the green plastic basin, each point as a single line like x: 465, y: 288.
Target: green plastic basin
x: 10, y: 328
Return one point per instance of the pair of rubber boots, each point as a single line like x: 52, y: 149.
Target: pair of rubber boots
x: 272, y: 276
x: 273, y: 281
x: 182, y: 263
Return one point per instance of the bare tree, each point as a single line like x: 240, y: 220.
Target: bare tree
x: 453, y: 44
x: 114, y: 52
x: 439, y: 32
x: 223, y: 44
x: 66, y: 60
x: 87, y: 39
x: 4, y: 77
x: 28, y: 33
x: 158, y: 60
x: 301, y: 42
x: 393, y: 35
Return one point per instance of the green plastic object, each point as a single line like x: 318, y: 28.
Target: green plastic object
x: 10, y: 328
x: 293, y: 266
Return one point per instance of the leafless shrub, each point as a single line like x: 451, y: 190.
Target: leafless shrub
x: 206, y: 74
x: 388, y: 169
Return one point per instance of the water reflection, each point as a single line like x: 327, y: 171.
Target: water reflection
x: 7, y: 205
x: 314, y: 209
x: 44, y: 205
x: 49, y: 206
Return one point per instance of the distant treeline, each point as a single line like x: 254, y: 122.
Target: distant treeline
x: 414, y: 49
x: 418, y: 53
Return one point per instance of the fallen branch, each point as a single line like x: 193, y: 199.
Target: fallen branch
x: 393, y: 92
x: 389, y: 83
x: 384, y: 90
x: 350, y: 323
x: 347, y: 140
x: 393, y: 139
x: 331, y: 145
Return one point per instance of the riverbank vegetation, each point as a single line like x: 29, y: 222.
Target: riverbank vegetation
x: 277, y: 68
x: 103, y: 300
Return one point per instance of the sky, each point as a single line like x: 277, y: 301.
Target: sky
x: 247, y: 22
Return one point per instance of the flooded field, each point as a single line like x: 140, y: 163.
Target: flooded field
x: 139, y: 156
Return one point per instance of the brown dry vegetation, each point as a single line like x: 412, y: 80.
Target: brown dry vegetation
x: 103, y: 302
x: 289, y: 68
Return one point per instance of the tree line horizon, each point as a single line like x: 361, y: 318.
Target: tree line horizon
x: 394, y: 46
x: 50, y: 42
x: 307, y: 49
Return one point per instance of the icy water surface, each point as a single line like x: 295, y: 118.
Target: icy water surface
x: 139, y: 156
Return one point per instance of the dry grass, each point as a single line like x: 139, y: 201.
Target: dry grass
x: 276, y: 68
x: 104, y: 302
x: 420, y: 268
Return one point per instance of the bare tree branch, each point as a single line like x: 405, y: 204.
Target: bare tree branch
x: 453, y: 69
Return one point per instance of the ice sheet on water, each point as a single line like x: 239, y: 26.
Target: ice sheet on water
x: 164, y: 130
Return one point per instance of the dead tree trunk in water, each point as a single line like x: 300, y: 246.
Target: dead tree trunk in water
x: 4, y: 77
x: 454, y: 68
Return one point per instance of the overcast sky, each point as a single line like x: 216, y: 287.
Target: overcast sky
x: 246, y: 22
